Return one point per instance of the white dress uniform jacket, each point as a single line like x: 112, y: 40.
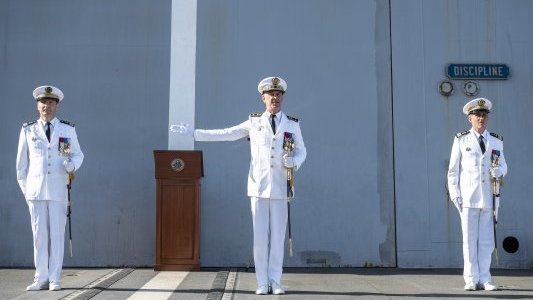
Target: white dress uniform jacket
x: 40, y: 171
x: 468, y: 172
x: 267, y: 177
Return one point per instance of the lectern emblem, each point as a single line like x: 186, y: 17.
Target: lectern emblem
x: 177, y: 164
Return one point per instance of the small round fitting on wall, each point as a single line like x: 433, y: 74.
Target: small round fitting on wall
x: 446, y: 88
x: 511, y: 244
x: 471, y: 88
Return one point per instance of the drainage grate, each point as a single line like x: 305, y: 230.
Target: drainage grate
x: 218, y: 286
x: 100, y: 284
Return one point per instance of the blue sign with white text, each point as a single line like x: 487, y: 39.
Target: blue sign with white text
x: 477, y: 71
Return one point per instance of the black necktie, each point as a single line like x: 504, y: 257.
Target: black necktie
x: 48, y: 130
x: 482, y: 144
x: 273, y: 123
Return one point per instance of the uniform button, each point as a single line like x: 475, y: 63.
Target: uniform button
x: 49, y: 164
x: 482, y: 165
x: 49, y: 148
x: 272, y: 166
x: 272, y: 147
x: 483, y: 180
x: 273, y: 139
x: 49, y: 156
x: 48, y: 172
x: 272, y: 156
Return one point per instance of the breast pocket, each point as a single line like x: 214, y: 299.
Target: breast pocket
x: 258, y: 136
x: 36, y: 148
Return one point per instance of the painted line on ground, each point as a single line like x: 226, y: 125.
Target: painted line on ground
x: 161, y: 286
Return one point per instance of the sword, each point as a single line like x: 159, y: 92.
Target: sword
x: 71, y: 177
x: 495, y: 157
x: 65, y: 151
x: 288, y: 147
x: 290, y: 185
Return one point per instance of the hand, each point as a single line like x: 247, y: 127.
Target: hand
x: 69, y: 166
x: 496, y: 172
x: 458, y: 202
x: 182, y: 129
x: 288, y: 162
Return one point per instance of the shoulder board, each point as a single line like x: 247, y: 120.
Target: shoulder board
x: 29, y: 123
x: 460, y: 134
x: 497, y: 136
x: 292, y: 119
x: 67, y: 122
x: 256, y: 114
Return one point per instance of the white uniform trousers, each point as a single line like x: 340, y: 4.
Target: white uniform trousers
x: 48, y: 219
x: 478, y: 244
x: 269, y: 220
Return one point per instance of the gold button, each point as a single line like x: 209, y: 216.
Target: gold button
x: 49, y: 156
x: 272, y: 166
x: 272, y: 156
x: 48, y: 172
x: 273, y: 139
x: 49, y: 164
x: 483, y: 165
x: 272, y: 147
x: 483, y: 180
x: 49, y: 148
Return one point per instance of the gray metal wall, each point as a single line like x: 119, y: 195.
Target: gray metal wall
x: 111, y: 59
x: 335, y: 57
x: 427, y: 35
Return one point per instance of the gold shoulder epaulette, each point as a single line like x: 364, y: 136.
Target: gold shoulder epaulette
x: 256, y: 114
x: 67, y: 122
x: 292, y: 119
x: 460, y: 134
x: 497, y: 136
x: 28, y: 123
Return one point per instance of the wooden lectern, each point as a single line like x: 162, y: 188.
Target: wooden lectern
x: 178, y: 175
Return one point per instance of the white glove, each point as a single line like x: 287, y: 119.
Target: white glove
x: 496, y: 172
x: 288, y: 162
x: 69, y: 165
x: 458, y: 202
x: 183, y: 129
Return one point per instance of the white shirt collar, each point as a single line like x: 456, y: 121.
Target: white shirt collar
x: 53, y: 122
x: 484, y: 134
x: 278, y: 115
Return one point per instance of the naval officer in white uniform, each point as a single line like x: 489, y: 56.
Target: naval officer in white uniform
x: 267, y: 177
x: 48, y: 150
x: 470, y: 176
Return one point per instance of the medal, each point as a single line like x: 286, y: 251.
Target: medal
x: 288, y: 143
x: 64, y: 147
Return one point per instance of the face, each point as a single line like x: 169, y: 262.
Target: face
x: 47, y: 108
x: 272, y: 100
x: 479, y: 121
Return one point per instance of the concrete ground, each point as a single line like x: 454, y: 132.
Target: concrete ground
x: 211, y: 284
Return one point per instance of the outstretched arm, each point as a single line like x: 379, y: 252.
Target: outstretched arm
x: 227, y: 134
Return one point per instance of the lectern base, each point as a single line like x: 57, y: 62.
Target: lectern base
x: 176, y: 268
